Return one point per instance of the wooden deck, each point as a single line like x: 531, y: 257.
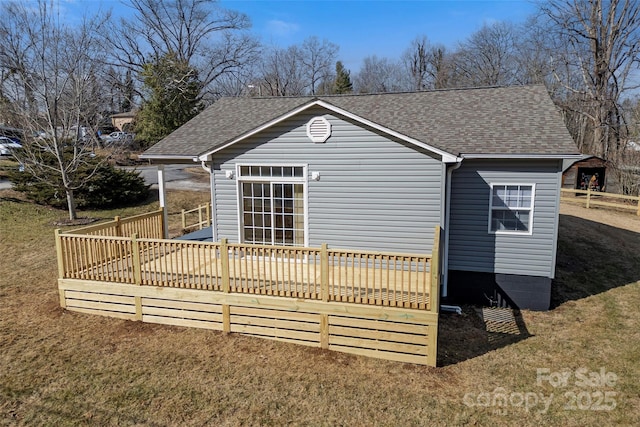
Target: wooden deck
x: 370, y: 303
x: 391, y: 333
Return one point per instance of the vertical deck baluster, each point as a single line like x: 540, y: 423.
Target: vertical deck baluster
x: 99, y: 257
x: 69, y: 260
x: 269, y: 277
x: 164, y: 262
x: 288, y: 289
x: 108, y: 263
x: 274, y: 261
x: 81, y: 249
x: 425, y: 288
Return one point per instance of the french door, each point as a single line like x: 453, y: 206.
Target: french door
x: 272, y: 210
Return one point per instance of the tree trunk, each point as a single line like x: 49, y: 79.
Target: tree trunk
x: 71, y: 204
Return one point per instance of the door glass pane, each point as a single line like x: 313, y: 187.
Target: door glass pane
x: 273, y: 212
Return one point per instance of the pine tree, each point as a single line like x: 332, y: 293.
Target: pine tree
x: 343, y: 79
x: 173, y: 90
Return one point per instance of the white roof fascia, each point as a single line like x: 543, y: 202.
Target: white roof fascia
x: 165, y: 157
x: 520, y: 156
x: 446, y: 157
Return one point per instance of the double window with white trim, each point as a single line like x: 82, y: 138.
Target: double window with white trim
x: 272, y: 204
x: 511, y: 208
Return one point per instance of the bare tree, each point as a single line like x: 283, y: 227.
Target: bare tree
x: 379, y: 75
x: 318, y: 59
x: 53, y: 86
x: 428, y: 66
x: 199, y: 33
x: 488, y: 57
x: 241, y: 82
x: 601, y: 47
x: 534, y: 49
x: 416, y: 62
x: 282, y: 72
x: 441, y: 67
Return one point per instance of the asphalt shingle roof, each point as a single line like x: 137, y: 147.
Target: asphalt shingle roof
x: 481, y: 121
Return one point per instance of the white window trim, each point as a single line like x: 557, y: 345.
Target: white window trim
x: 529, y: 231
x: 304, y: 180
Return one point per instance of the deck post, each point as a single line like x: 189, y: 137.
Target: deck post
x: 200, y: 217
x: 224, y: 261
x: 59, y: 255
x: 432, y: 345
x: 116, y: 219
x: 208, y: 212
x: 137, y: 268
x: 137, y: 273
x: 226, y: 318
x: 434, y: 297
x: 324, y: 273
x: 324, y: 331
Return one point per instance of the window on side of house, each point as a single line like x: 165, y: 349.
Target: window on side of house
x: 511, y: 208
x: 272, y: 204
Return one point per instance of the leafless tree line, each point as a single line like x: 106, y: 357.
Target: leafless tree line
x: 60, y: 78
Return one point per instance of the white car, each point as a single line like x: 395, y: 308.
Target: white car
x: 7, y: 145
x: 118, y: 137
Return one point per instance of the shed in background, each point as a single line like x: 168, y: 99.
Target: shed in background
x: 589, y: 172
x: 123, y: 121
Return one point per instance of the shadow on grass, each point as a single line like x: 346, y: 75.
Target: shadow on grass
x: 477, y: 331
x: 12, y: 199
x: 592, y: 258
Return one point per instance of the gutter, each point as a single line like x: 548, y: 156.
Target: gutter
x: 161, y: 159
x: 521, y: 156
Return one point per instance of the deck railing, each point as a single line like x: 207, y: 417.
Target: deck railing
x: 203, y: 215
x: 100, y: 258
x: 373, y: 278
x: 597, y: 198
x: 148, y: 225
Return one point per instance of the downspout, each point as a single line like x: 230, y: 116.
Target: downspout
x: 445, y: 252
x: 204, y: 166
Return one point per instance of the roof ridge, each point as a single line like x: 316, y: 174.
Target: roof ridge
x: 406, y: 92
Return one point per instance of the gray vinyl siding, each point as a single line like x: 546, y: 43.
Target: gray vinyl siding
x: 473, y: 248
x: 374, y: 193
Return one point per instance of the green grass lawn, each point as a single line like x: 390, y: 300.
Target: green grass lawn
x: 63, y: 368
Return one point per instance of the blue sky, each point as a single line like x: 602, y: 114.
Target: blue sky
x: 360, y: 28
x: 383, y: 28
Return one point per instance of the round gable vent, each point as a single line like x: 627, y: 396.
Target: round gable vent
x: 318, y: 129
